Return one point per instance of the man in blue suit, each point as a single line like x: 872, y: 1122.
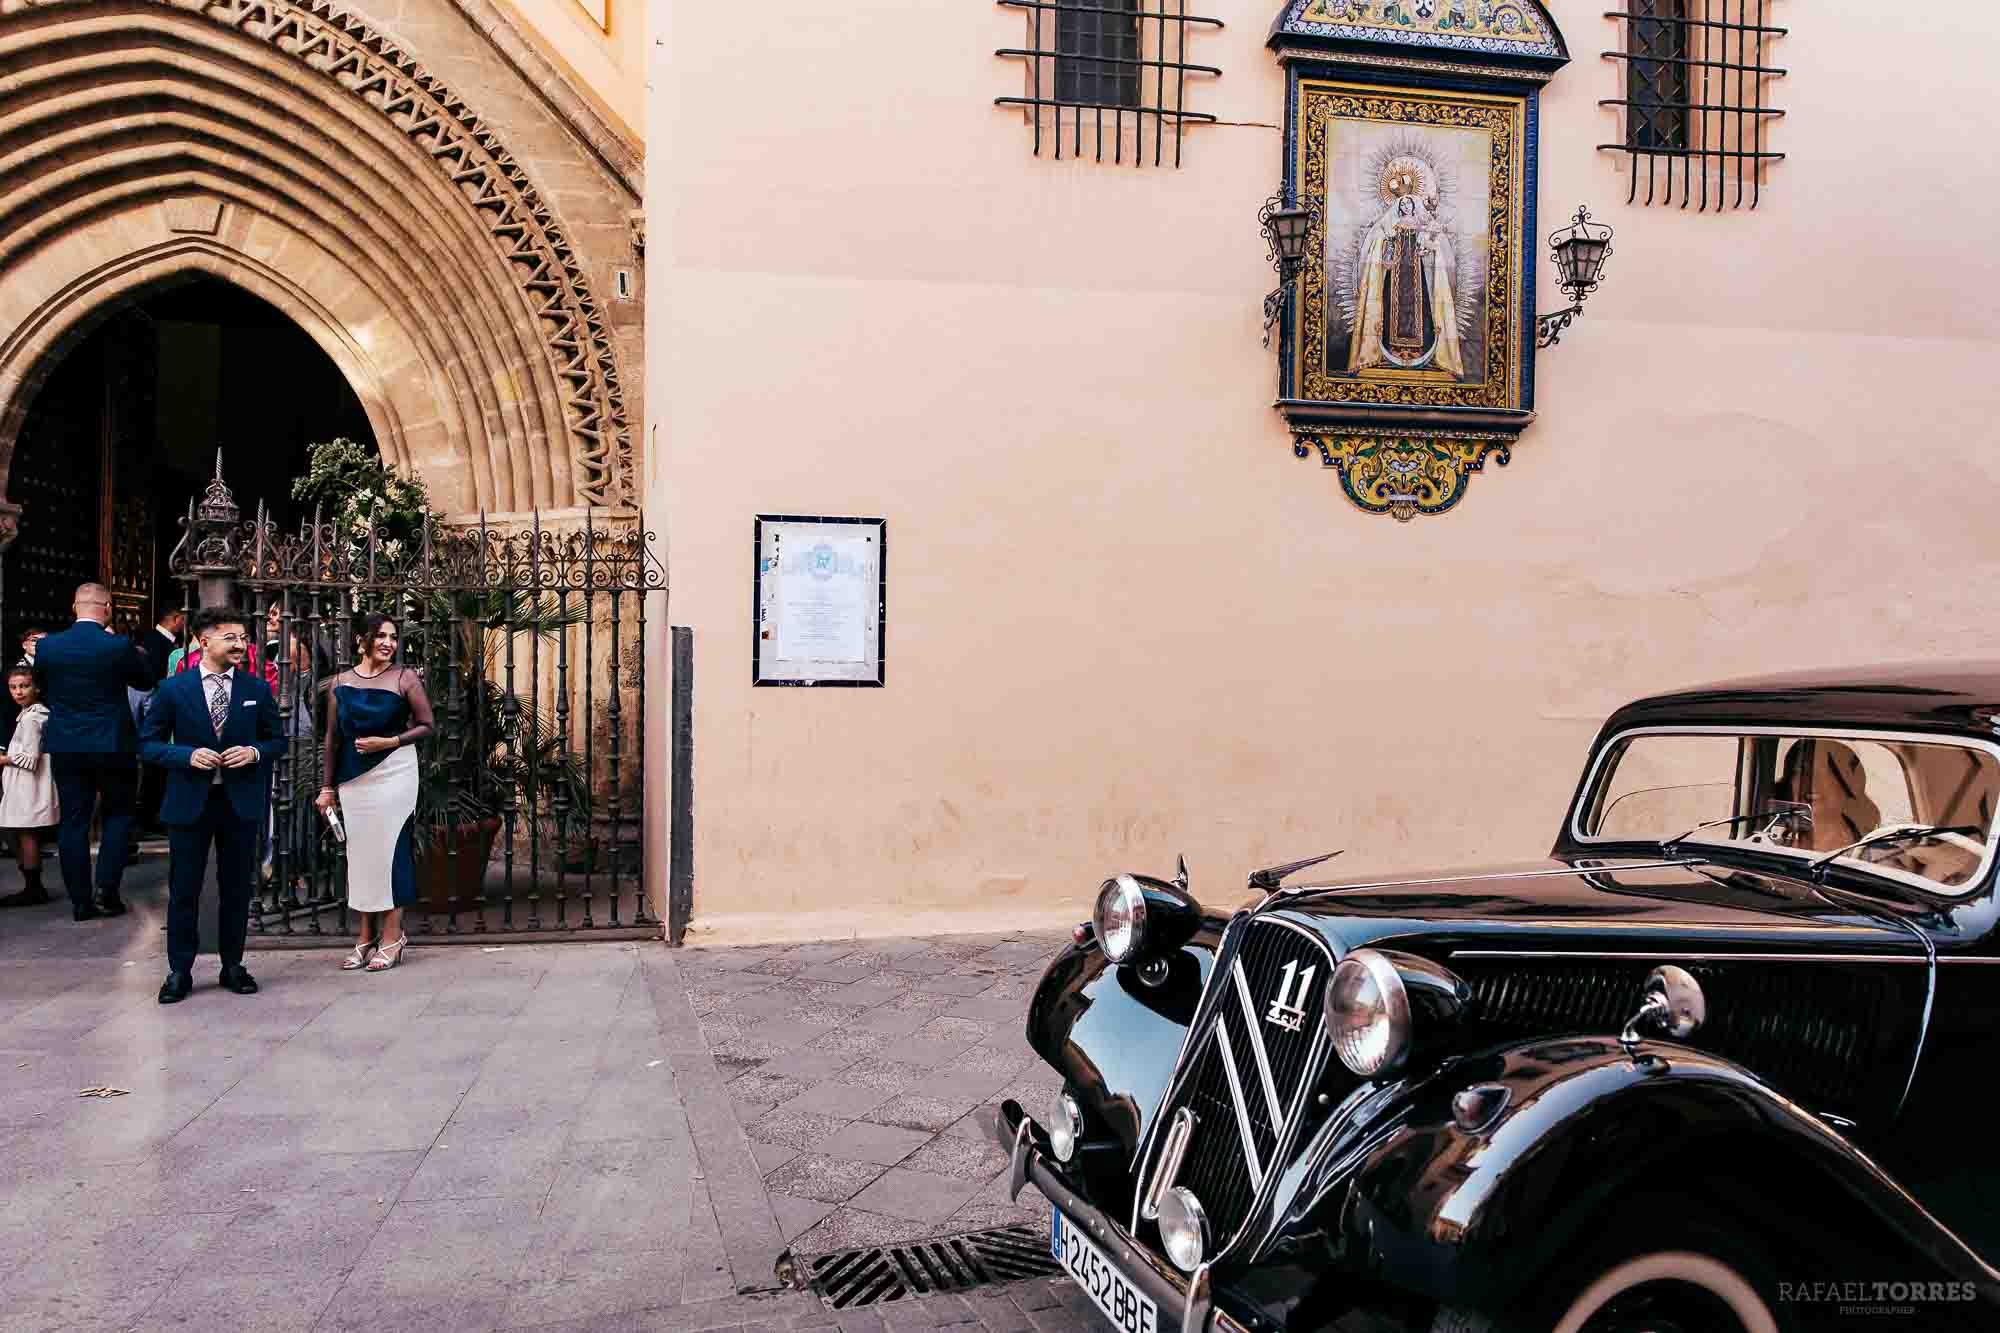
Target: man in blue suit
x: 92, y: 746
x: 214, y: 731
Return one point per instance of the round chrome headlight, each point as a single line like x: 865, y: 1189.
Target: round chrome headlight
x: 1368, y: 1014
x: 1065, y: 1126
x: 1120, y: 918
x: 1183, y: 1228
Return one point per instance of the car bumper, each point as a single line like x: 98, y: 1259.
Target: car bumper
x: 1031, y: 1164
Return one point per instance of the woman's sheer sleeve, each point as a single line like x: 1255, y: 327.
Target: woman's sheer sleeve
x: 420, y: 709
x: 329, y: 745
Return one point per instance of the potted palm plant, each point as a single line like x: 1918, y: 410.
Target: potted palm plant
x: 494, y: 750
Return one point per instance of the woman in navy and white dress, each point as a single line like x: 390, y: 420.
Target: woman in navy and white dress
x: 376, y: 712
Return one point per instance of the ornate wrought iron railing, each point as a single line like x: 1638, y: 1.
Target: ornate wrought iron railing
x: 530, y: 634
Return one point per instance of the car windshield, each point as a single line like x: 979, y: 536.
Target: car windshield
x: 1804, y: 796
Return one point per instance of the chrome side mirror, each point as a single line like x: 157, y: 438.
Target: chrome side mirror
x: 1673, y: 1005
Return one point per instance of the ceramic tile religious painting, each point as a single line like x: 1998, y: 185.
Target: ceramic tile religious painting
x: 1408, y: 344
x: 1412, y: 292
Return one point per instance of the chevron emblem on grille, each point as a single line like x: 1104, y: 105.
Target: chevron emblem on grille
x: 1264, y: 1070
x: 1256, y: 1042
x: 1245, y: 1009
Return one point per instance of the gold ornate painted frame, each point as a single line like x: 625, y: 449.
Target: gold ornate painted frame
x: 1388, y: 163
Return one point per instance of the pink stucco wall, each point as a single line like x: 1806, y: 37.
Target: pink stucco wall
x: 1124, y: 621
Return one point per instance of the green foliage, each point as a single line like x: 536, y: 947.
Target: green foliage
x: 356, y: 490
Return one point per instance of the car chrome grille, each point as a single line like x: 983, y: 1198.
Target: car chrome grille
x: 1803, y: 1029
x: 1246, y: 1069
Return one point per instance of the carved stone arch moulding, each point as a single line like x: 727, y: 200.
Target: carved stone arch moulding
x: 354, y: 56
x: 1407, y: 339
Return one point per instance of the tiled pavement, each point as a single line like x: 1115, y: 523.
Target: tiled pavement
x: 866, y: 1073
x: 589, y: 1137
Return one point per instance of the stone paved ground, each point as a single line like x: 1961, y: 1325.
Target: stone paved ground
x: 601, y: 1137
x: 866, y: 1074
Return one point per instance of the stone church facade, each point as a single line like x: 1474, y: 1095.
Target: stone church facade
x: 413, y: 222
x: 421, y: 190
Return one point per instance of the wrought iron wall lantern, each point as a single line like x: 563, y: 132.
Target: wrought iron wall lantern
x: 1580, y: 250
x: 1286, y: 229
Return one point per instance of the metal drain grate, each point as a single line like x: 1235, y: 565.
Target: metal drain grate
x: 881, y: 1273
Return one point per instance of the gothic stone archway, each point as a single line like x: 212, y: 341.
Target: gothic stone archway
x: 127, y: 430
x: 304, y: 154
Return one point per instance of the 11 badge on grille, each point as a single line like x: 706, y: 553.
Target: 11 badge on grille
x: 1288, y: 1010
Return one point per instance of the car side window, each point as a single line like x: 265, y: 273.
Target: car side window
x: 1853, y: 787
x: 1666, y: 783
x: 1920, y: 810
x: 1888, y: 781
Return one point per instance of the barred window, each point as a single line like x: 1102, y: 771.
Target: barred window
x: 1656, y: 81
x: 1097, y: 54
x: 1696, y: 114
x: 1108, y: 77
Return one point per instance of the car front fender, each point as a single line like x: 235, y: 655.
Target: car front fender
x: 1114, y: 1035
x: 1396, y: 1189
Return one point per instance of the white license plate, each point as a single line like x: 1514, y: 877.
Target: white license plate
x: 1107, y: 1288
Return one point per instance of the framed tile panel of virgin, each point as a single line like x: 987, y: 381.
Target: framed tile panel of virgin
x: 1412, y: 290
x: 1408, y: 335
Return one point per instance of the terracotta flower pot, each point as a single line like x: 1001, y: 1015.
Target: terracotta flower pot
x: 452, y: 870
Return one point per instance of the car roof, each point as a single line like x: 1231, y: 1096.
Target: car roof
x: 1962, y: 697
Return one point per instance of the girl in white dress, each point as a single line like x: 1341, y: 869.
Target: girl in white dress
x: 28, y: 790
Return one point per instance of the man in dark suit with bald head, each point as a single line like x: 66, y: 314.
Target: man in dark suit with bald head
x: 93, y: 746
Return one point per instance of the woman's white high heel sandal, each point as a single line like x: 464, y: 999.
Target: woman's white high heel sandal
x: 388, y: 955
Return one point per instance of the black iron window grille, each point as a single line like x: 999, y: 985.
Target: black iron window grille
x: 1656, y: 82
x: 1696, y: 106
x: 1113, y: 72
x: 1097, y: 55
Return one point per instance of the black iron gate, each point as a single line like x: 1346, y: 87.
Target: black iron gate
x: 531, y: 638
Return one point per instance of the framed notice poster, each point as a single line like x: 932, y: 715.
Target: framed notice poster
x: 818, y: 600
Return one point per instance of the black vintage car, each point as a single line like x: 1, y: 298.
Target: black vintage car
x: 1720, y: 1063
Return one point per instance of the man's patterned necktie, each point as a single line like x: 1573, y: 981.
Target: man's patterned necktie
x: 218, y: 703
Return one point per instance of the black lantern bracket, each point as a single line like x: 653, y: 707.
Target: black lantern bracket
x: 1580, y: 250
x: 1287, y: 228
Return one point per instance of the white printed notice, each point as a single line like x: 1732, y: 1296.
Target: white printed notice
x: 826, y: 599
